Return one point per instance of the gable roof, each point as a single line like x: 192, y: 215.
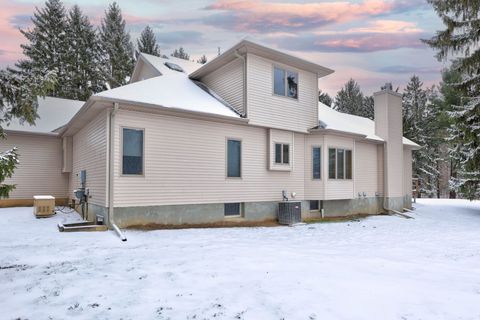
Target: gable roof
x: 249, y: 46
x: 174, y: 91
x: 331, y: 119
x: 159, y: 63
x: 52, y: 114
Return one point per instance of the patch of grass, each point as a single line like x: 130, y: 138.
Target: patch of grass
x: 233, y: 223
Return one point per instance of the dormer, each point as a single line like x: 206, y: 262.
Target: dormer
x: 270, y: 88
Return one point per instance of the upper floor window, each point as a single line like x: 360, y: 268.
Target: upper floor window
x: 282, y: 153
x: 234, y: 158
x: 285, y: 83
x: 339, y: 163
x: 132, y: 152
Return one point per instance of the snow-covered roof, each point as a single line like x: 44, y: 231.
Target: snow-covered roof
x: 52, y: 112
x: 174, y: 90
x: 159, y: 63
x: 331, y: 119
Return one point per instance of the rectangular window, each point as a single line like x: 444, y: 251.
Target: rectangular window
x: 316, y: 163
x: 339, y: 164
x: 279, y: 81
x: 234, y: 158
x: 332, y: 168
x: 231, y: 209
x: 132, y: 155
x: 314, y: 205
x: 292, y: 84
x: 282, y: 153
x: 285, y: 83
x: 348, y: 164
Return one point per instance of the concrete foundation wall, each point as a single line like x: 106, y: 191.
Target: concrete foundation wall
x: 251, y: 212
x: 396, y: 203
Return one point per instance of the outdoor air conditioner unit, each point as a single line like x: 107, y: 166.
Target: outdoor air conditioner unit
x: 43, y: 206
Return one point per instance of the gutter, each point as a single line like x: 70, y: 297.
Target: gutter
x: 385, y: 205
x: 111, y: 173
x: 244, y: 59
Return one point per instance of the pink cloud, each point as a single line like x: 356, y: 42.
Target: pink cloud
x: 10, y: 50
x: 260, y: 16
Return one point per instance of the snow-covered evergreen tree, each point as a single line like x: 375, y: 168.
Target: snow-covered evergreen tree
x: 117, y: 47
x: 180, y: 53
x: 202, y: 59
x: 419, y: 124
x: 147, y: 42
x: 461, y: 38
x: 351, y: 100
x: 45, y: 52
x: 18, y: 101
x: 85, y: 75
x: 325, y: 98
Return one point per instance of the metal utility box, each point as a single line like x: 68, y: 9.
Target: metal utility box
x: 43, y: 206
x: 289, y: 212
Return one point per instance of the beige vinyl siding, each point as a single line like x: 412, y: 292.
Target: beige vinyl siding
x: 314, y: 188
x: 282, y: 137
x: 185, y: 163
x: 407, y: 171
x: 145, y: 71
x: 40, y: 169
x: 338, y: 188
x: 366, y: 169
x: 227, y: 82
x: 266, y: 109
x: 380, y: 169
x: 90, y: 154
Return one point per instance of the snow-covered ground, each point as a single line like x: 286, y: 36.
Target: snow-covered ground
x: 377, y: 268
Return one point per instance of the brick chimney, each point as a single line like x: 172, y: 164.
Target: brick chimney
x: 389, y: 126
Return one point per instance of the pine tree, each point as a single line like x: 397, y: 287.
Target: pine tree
x: 419, y: 124
x: 46, y: 49
x: 147, y: 42
x: 202, y: 59
x: 461, y: 38
x: 351, y: 100
x: 325, y: 98
x: 181, y: 53
x: 18, y: 101
x: 116, y: 46
x: 84, y: 73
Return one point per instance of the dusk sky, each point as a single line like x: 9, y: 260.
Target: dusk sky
x: 371, y: 41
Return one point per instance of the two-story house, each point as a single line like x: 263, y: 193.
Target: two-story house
x: 185, y: 143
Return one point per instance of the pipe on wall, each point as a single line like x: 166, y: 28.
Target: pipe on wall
x: 244, y: 59
x: 111, y: 173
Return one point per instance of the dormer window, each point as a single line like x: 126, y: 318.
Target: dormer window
x: 285, y: 83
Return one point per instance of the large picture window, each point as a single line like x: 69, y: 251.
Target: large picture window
x: 132, y: 156
x: 339, y: 163
x: 282, y: 153
x: 317, y: 162
x: 234, y: 158
x: 285, y: 83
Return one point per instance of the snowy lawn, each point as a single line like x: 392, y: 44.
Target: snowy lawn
x: 376, y: 268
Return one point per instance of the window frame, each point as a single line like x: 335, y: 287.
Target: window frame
x: 240, y: 210
x: 320, y: 165
x: 344, y: 163
x: 121, y: 153
x: 226, y: 157
x: 285, y: 80
x: 282, y: 144
x: 310, y: 205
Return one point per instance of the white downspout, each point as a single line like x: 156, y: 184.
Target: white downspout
x: 111, y: 173
x: 385, y: 206
x: 238, y: 55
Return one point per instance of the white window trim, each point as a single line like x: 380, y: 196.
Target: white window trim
x: 121, y: 153
x: 281, y: 154
x: 321, y: 173
x: 285, y: 93
x: 226, y: 158
x: 336, y: 166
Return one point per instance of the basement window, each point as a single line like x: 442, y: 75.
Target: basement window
x: 339, y: 163
x: 132, y: 151
x: 231, y: 209
x: 282, y: 153
x: 314, y: 205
